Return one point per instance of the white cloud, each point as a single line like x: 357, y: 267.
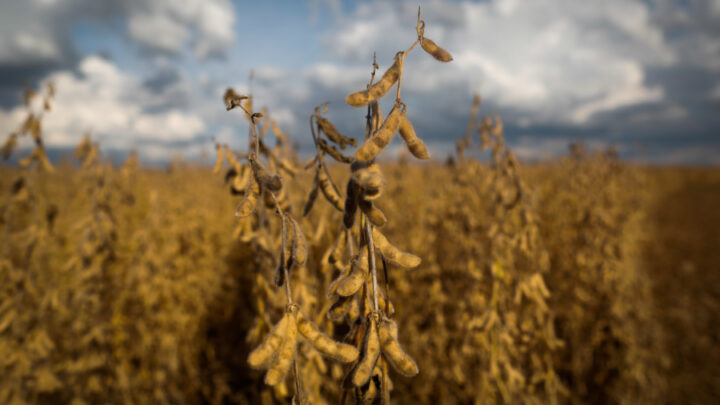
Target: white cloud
x: 168, y: 25
x: 269, y: 73
x: 563, y: 60
x: 159, y: 31
x: 337, y: 76
x: 162, y: 153
x: 174, y: 125
x: 40, y: 31
x: 215, y: 22
x: 111, y: 104
x: 627, y: 90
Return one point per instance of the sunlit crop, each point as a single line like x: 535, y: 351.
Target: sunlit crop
x: 347, y: 278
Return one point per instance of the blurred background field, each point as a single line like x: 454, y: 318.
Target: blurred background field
x: 124, y: 285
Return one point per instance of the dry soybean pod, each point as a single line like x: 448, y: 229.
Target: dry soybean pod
x: 240, y: 181
x: 299, y: 246
x: 392, y: 253
x: 334, y: 153
x: 279, y: 278
x: 249, y: 201
x: 415, y: 145
x: 373, y: 213
x: 286, y: 258
x: 371, y: 352
x: 248, y: 107
x: 344, y: 271
x: 402, y: 362
x: 359, y: 271
x: 351, y: 203
x: 437, y: 52
x: 333, y: 134
x: 283, y: 199
x: 281, y: 366
x: 370, y: 394
x: 288, y: 167
x: 263, y: 353
x: 271, y: 182
x: 338, y: 247
x: 339, y: 308
x: 370, y: 179
x: 278, y: 133
x: 231, y: 157
x: 381, y: 138
x: 329, y: 191
x: 311, y: 198
x: 377, y: 90
x: 219, y: 159
x: 339, y: 351
x: 386, y: 305
x: 353, y: 312
x: 311, y: 162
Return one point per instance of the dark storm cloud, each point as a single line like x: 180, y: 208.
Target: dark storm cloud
x: 35, y: 36
x: 162, y: 80
x: 13, y: 78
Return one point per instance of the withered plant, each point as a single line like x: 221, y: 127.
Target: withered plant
x: 355, y: 294
x: 537, y: 284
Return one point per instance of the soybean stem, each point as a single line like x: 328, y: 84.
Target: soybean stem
x: 283, y: 259
x: 371, y: 263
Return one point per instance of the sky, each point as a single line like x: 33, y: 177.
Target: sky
x: 148, y: 75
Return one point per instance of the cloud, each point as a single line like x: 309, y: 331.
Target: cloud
x: 627, y: 90
x: 36, y: 36
x: 114, y: 106
x: 665, y: 113
x: 268, y: 74
x: 557, y: 60
x: 167, y: 25
x: 693, y: 30
x: 28, y: 34
x: 27, y: 47
x: 38, y: 30
x: 34, y: 40
x: 715, y: 93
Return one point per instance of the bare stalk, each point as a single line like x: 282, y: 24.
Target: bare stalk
x: 371, y: 262
x: 420, y: 29
x: 399, y: 83
x: 368, y: 117
x: 286, y: 273
x: 257, y: 137
x: 288, y: 291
